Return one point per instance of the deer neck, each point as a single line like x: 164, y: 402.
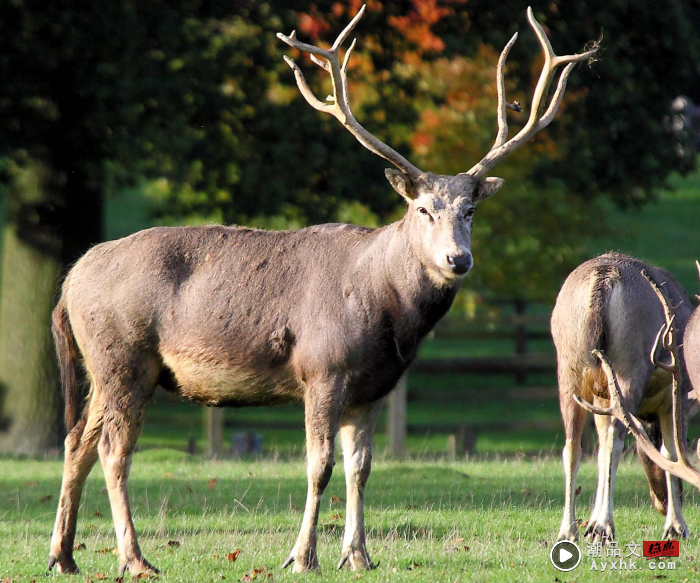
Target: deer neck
x: 403, y: 288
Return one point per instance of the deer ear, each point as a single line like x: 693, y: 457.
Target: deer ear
x: 487, y: 188
x: 401, y: 183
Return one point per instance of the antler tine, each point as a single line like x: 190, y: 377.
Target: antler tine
x: 348, y: 29
x: 339, y: 102
x: 670, y: 342
x: 501, y: 88
x: 680, y: 468
x: 536, y: 121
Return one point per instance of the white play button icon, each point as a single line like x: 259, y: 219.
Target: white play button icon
x: 565, y: 556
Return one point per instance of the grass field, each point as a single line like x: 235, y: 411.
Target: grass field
x: 427, y: 521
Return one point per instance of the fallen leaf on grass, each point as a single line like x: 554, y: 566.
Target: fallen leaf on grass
x: 337, y: 517
x: 99, y: 576
x: 79, y: 547
x: 262, y: 572
x: 168, y: 475
x: 106, y: 550
x: 46, y: 498
x: 98, y: 514
x: 173, y: 543
x: 233, y: 556
x: 413, y: 566
x: 212, y: 483
x: 336, y: 500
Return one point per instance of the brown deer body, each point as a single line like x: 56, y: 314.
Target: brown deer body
x: 691, y: 349
x: 330, y: 315
x: 606, y: 305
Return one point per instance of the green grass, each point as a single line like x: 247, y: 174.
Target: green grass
x: 427, y: 521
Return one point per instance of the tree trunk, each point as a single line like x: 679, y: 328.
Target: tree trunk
x: 30, y: 398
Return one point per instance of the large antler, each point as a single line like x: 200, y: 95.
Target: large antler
x: 667, y: 337
x: 339, y: 102
x: 537, y: 120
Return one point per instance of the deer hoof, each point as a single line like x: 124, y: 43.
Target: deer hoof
x: 601, y: 533
x: 302, y: 566
x: 64, y: 565
x: 570, y: 536
x: 357, y: 559
x: 675, y: 531
x: 138, y: 567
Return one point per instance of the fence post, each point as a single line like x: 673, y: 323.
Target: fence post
x: 214, y: 429
x: 520, y: 338
x: 397, y: 418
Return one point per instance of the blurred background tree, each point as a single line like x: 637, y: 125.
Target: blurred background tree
x: 192, y: 102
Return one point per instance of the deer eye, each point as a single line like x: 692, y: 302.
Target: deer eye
x: 424, y: 211
x: 469, y: 212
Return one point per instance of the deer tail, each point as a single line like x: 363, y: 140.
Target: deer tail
x: 603, y: 280
x: 68, y: 359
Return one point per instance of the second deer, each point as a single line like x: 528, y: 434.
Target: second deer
x: 606, y: 305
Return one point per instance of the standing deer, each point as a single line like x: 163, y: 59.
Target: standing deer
x: 606, y: 305
x: 330, y: 315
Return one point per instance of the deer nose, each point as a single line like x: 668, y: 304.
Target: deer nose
x: 460, y: 264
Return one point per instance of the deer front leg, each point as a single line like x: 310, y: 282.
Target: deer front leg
x: 356, y: 431
x: 323, y: 408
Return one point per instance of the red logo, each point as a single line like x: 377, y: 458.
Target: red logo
x: 653, y: 549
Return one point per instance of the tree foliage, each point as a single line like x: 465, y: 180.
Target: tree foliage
x: 195, y: 97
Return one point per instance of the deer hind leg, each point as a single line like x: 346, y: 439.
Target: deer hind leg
x: 675, y: 524
x: 356, y: 431
x: 656, y: 477
x: 574, y: 418
x: 611, y: 433
x: 80, y: 457
x: 124, y: 402
x: 322, y: 420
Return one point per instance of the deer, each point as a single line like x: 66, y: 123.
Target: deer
x: 682, y: 368
x: 330, y: 315
x: 608, y: 317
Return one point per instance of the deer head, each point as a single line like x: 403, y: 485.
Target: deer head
x: 440, y: 207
